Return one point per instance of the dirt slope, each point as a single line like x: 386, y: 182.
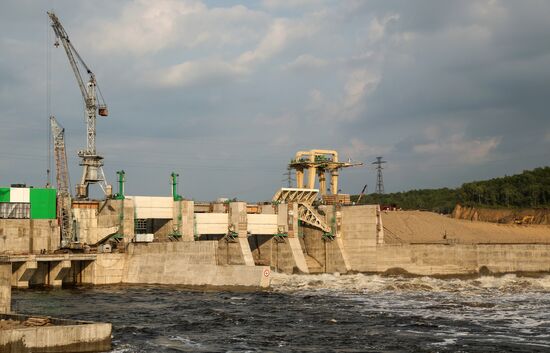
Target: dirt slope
x: 421, y: 227
x: 540, y: 216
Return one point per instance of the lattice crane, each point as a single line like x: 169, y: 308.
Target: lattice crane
x: 94, y: 103
x: 64, y: 209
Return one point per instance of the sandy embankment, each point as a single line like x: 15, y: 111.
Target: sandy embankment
x: 422, y: 227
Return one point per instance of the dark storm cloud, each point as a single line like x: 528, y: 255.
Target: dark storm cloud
x: 226, y: 92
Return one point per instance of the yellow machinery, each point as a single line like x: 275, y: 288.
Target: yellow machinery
x: 524, y: 220
x: 319, y: 162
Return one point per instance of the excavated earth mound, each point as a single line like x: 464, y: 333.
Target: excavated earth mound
x: 428, y: 227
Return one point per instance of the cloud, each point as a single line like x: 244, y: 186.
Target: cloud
x: 360, y: 83
x: 305, y: 62
x: 280, y: 33
x: 358, y: 150
x: 377, y: 27
x: 291, y: 4
x: 424, y: 83
x: 458, y: 149
x: 351, y: 103
x: 194, y: 72
x: 148, y: 27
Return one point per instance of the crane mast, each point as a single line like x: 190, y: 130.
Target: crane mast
x: 91, y: 162
x: 64, y: 202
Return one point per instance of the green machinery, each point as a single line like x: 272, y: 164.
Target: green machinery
x: 176, y: 233
x: 120, y: 196
x: 121, y: 180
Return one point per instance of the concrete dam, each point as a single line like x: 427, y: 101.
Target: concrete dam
x: 159, y: 240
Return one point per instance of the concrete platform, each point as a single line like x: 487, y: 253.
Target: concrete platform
x: 58, y: 336
x: 25, y: 334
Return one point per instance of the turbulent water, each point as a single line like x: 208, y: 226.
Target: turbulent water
x: 351, y: 313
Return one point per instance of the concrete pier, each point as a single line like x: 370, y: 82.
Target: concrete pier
x: 46, y: 270
x: 5, y: 287
x: 23, y: 272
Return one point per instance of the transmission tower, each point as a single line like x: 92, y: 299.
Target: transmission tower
x: 288, y: 177
x: 379, y: 178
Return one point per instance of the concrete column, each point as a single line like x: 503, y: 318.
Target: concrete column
x: 22, y: 273
x: 5, y: 287
x: 177, y: 217
x: 286, y: 220
x: 379, y: 227
x: 337, y: 249
x: 188, y: 220
x: 300, y: 178
x: 282, y: 217
x: 239, y: 223
x: 58, y: 271
x: 334, y: 182
x: 322, y: 181
x: 311, y: 177
x: 292, y: 219
x: 129, y: 221
x: 298, y: 254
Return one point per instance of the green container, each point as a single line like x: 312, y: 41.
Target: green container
x: 4, y: 194
x: 43, y: 203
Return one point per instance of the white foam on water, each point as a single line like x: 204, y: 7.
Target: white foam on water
x: 124, y: 349
x: 374, y: 283
x: 445, y: 342
x: 186, y: 341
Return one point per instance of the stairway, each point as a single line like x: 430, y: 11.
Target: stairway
x: 313, y: 265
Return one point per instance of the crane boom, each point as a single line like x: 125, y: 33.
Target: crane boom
x: 70, y: 49
x: 64, y: 202
x: 91, y: 162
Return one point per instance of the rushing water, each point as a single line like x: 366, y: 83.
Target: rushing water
x: 352, y: 313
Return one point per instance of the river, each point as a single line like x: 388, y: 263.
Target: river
x: 318, y: 313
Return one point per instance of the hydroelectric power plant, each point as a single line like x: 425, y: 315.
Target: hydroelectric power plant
x: 205, y: 266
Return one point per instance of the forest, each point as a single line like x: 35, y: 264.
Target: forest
x: 530, y: 189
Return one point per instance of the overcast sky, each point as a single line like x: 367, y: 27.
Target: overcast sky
x: 225, y: 92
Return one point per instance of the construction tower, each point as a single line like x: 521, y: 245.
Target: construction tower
x: 94, y: 104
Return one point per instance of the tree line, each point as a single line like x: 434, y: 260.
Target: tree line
x: 530, y: 189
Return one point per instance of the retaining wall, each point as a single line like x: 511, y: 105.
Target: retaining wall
x: 435, y: 259
x: 175, y: 263
x: 28, y: 236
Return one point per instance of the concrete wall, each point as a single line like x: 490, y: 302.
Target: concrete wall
x: 63, y: 336
x: 326, y: 252
x: 153, y: 206
x: 212, y: 223
x: 188, y: 263
x: 360, y: 235
x: 5, y: 287
x: 96, y: 224
x: 24, y: 236
x: 106, y: 269
x: 262, y: 223
x: 177, y: 263
x: 435, y: 259
x: 281, y: 254
x: 229, y: 252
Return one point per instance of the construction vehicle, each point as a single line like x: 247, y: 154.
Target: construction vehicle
x: 64, y: 201
x: 524, y: 220
x: 94, y: 103
x: 361, y: 194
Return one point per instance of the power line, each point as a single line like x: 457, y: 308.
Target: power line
x: 379, y: 178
